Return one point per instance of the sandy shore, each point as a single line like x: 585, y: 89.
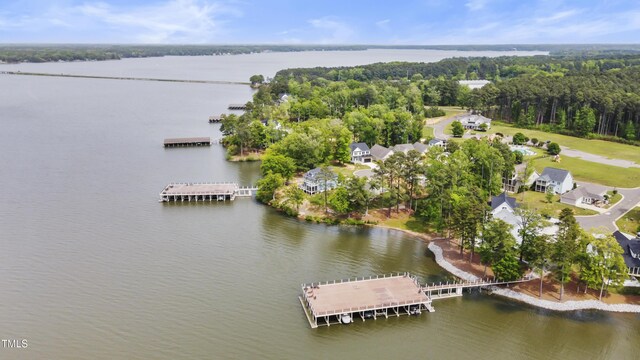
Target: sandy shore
x: 546, y: 304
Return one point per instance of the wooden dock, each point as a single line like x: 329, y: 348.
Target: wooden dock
x: 181, y: 142
x: 215, y: 119
x: 204, y: 192
x: 339, y: 302
x: 237, y: 107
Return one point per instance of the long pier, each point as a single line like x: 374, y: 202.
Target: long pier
x: 220, y: 82
x: 193, y: 141
x: 204, y: 192
x: 339, y: 302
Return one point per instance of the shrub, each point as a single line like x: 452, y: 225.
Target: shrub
x: 433, y: 112
x: 553, y: 148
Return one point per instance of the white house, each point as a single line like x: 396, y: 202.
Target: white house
x: 474, y: 84
x: 314, y: 183
x: 503, y: 207
x: 503, y: 202
x: 583, y: 195
x: 560, y: 180
x: 360, y: 153
x: 437, y: 142
x: 473, y: 121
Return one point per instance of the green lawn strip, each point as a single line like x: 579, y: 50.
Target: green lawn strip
x: 537, y: 200
x: 409, y: 223
x: 427, y: 132
x: 613, y: 199
x: 607, y: 149
x: 348, y: 169
x: 630, y: 222
x: 593, y: 172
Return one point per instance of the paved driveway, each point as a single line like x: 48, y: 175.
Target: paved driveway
x: 607, y: 219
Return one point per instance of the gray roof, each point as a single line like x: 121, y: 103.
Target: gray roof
x: 420, y: 147
x: 361, y: 146
x: 556, y: 175
x: 581, y: 192
x: 403, y: 147
x: 435, y: 141
x: 501, y: 199
x: 625, y: 243
x: 311, y: 174
x: 379, y: 152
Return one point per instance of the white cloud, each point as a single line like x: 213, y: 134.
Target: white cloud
x: 334, y: 31
x: 167, y: 21
x: 383, y: 24
x: 191, y: 21
x: 475, y: 5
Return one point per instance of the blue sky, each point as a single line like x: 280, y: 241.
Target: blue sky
x: 319, y: 21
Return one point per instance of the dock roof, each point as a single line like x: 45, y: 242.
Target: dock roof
x: 364, y: 295
x: 189, y: 140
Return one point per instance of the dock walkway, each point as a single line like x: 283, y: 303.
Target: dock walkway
x: 338, y: 302
x: 193, y: 141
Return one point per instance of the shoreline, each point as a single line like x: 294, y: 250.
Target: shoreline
x: 571, y: 305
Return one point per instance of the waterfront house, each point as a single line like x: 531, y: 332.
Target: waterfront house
x: 584, y: 195
x: 380, y: 153
x: 559, y: 180
x: 314, y: 182
x: 360, y: 153
x: 503, y: 202
x: 631, y: 248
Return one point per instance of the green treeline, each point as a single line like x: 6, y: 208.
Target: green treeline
x: 586, y: 96
x: 61, y: 52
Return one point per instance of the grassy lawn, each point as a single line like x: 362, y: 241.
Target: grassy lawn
x: 427, y: 132
x: 630, y: 222
x: 613, y: 199
x: 599, y: 147
x: 449, y: 111
x: 405, y: 222
x: 348, y: 169
x: 536, y: 200
x: 593, y: 172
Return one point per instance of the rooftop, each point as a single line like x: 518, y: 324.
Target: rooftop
x: 361, y: 295
x: 199, y: 189
x: 554, y: 174
x: 624, y: 242
x: 501, y: 199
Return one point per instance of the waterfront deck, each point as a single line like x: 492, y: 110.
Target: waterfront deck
x: 204, y: 192
x: 215, y: 119
x: 237, y: 107
x: 326, y: 303
x: 194, y: 141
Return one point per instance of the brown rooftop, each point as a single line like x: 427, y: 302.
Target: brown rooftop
x: 200, y: 189
x: 327, y: 299
x: 191, y: 140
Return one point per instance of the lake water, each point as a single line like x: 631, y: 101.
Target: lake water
x: 93, y: 267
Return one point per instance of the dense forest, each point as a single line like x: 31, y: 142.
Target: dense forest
x: 586, y: 96
x: 15, y: 53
